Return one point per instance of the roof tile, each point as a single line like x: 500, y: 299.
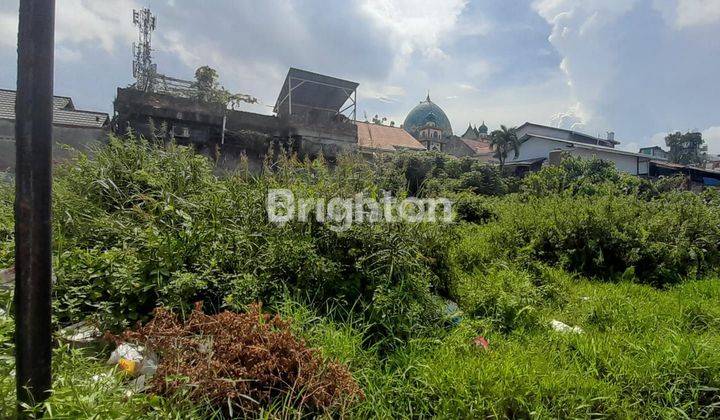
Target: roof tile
x: 64, y: 112
x: 385, y: 138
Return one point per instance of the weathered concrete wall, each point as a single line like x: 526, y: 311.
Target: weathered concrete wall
x: 66, y: 141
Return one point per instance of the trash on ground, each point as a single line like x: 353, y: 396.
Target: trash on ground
x: 82, y: 334
x: 481, y: 341
x: 7, y: 278
x: 564, y: 328
x: 134, y: 360
x: 453, y: 314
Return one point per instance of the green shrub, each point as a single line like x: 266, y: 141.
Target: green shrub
x: 506, y: 296
x: 609, y: 236
x: 472, y: 208
x: 143, y: 224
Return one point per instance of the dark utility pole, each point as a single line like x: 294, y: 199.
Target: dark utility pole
x: 33, y: 240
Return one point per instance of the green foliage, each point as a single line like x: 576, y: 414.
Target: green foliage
x: 142, y: 225
x: 504, y: 141
x: 472, y: 208
x: 660, y: 241
x: 208, y: 89
x: 686, y: 148
x: 7, y: 225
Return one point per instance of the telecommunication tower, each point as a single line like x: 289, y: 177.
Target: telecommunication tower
x: 144, y: 71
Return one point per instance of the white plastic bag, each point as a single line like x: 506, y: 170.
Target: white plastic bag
x: 564, y: 328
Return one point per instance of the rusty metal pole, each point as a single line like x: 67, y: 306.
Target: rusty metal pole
x: 33, y: 240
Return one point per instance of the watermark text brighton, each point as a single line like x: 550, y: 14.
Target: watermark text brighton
x: 341, y: 213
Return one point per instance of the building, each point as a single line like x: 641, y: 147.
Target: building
x: 72, y: 127
x: 430, y: 126
x: 318, y: 112
x: 476, y: 133
x: 377, y: 138
x: 310, y: 119
x: 697, y: 178
x: 546, y: 145
x: 558, y: 133
x: 712, y: 162
x: 656, y: 152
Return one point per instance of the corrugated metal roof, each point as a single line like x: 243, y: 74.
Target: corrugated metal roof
x: 64, y: 112
x: 314, y: 90
x: 384, y: 138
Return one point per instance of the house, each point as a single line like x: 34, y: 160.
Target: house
x: 712, y: 162
x: 72, y: 127
x: 476, y: 149
x: 697, y: 178
x: 541, y: 145
x: 656, y: 152
x: 563, y: 134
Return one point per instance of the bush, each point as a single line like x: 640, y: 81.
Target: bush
x: 505, y: 296
x: 472, y: 208
x: 608, y: 236
x: 144, y: 224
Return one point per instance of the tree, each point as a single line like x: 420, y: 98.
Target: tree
x: 686, y: 149
x: 209, y: 89
x: 503, y: 141
x: 206, y: 84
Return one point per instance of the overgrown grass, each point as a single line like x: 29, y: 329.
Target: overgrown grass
x: 631, y: 262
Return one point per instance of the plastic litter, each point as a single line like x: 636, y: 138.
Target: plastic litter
x: 453, y: 314
x: 82, y: 334
x: 134, y: 360
x: 564, y: 328
x: 481, y: 341
x: 7, y: 278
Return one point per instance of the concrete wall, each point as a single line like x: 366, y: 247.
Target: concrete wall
x: 623, y: 163
x: 73, y: 138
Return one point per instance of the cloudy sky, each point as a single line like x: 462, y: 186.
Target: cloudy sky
x: 640, y: 68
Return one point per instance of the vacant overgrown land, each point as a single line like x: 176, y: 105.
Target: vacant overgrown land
x: 574, y: 292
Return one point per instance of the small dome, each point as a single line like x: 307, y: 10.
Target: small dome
x: 427, y: 112
x: 483, y: 128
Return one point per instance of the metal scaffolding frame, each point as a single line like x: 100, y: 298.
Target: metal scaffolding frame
x: 294, y: 81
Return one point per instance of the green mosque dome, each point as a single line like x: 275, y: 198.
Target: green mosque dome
x: 427, y: 113
x: 483, y: 129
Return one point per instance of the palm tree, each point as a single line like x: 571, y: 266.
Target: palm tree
x: 502, y: 142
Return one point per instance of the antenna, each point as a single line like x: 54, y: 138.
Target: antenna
x: 143, y: 68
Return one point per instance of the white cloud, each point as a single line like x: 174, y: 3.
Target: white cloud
x: 8, y: 30
x: 382, y: 92
x: 84, y: 21
x: 712, y: 139
x: 67, y: 54
x: 697, y: 12
x: 658, y: 139
x: 572, y: 119
x: 415, y: 25
x: 173, y: 42
x: 629, y: 67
